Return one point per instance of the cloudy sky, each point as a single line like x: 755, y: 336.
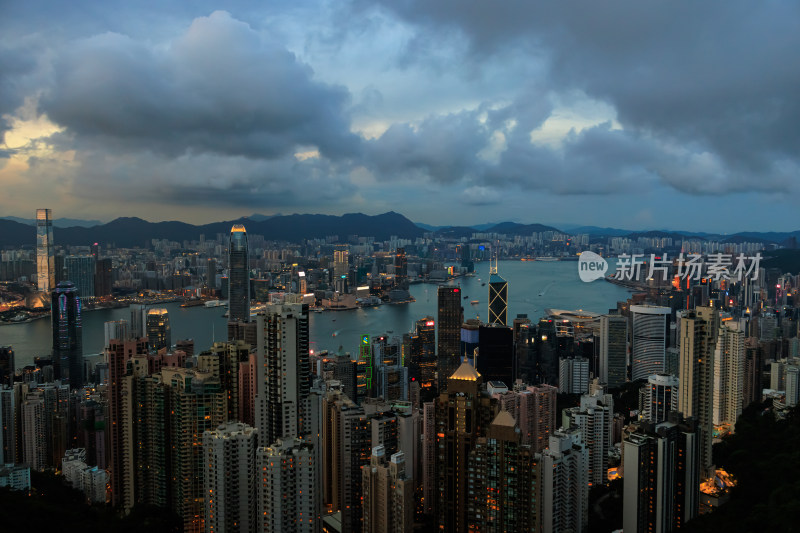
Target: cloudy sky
x: 641, y: 115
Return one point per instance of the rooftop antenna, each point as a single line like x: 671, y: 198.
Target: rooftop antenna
x: 493, y: 269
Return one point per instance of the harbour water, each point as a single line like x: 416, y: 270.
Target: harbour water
x: 533, y: 286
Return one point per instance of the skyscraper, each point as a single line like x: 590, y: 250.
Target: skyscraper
x: 661, y: 397
x: 594, y: 418
x: 699, y: 329
x: 45, y: 260
x: 7, y: 365
x: 662, y: 476
x: 67, y: 334
x: 239, y: 276
x: 448, y: 345
x: 498, y: 299
x: 565, y: 487
x: 80, y: 270
x: 649, y: 340
x: 159, y: 332
x: 729, y: 363
x: 230, y: 478
x: 288, y: 488
x: 613, y: 350
x: 282, y: 373
x: 388, y: 494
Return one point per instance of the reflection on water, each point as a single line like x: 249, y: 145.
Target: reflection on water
x: 532, y: 288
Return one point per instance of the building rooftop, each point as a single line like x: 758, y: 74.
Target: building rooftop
x: 466, y: 372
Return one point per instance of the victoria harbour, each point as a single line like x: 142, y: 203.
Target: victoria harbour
x: 533, y: 287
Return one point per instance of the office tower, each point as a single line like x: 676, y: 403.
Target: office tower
x: 238, y: 276
x: 67, y: 334
x: 45, y: 260
x: 648, y: 340
x: 565, y: 487
x: 115, y: 329
x: 495, y: 358
x: 80, y: 270
x: 288, y: 488
x: 388, y: 494
x: 159, y: 332
x: 103, y: 283
x: 524, y: 360
x: 341, y: 266
x: 504, y: 481
x: 7, y: 366
x: 660, y: 397
x: 346, y: 447
x: 401, y: 269
x: 230, y: 356
x: 729, y: 363
x: 423, y: 355
x: 448, y: 344
x: 498, y: 299
x: 8, y: 425
x: 662, y: 476
x: 594, y: 417
x: 230, y: 478
x: 461, y: 414
x: 698, y: 335
x: 777, y: 375
x: 345, y: 372
x: 613, y: 350
x: 546, y: 350
x: 138, y: 322
x: 283, y: 373
x: 573, y: 375
x: 119, y: 353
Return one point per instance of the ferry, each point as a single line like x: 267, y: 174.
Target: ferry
x: 214, y: 303
x: 474, y: 302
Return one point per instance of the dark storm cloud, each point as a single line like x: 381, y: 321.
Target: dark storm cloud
x: 15, y: 67
x: 718, y: 77
x: 219, y: 88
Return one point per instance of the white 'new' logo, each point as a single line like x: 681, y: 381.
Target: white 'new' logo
x: 591, y: 266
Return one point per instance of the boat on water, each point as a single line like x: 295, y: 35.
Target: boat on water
x: 214, y: 303
x: 547, y: 259
x: 474, y: 302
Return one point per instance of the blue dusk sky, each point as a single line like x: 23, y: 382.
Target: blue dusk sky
x: 681, y: 115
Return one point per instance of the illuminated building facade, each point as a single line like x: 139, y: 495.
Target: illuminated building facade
x: 45, y: 259
x: 238, y: 276
x: 159, y: 332
x: 67, y: 334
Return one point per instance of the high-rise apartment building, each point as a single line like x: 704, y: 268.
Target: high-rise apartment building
x: 565, y: 487
x: 283, y: 373
x: 238, y: 276
x: 388, y: 494
x: 613, y: 350
x: 159, y: 332
x: 729, y: 366
x: 648, y: 340
x: 67, y: 334
x: 698, y: 337
x: 594, y: 418
x: 230, y: 356
x: 230, y: 477
x: 45, y: 251
x: 503, y: 481
x: 660, y: 397
x: 495, y: 357
x: 662, y: 476
x: 288, y: 488
x: 7, y: 365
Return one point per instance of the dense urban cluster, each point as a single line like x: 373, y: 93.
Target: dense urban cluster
x: 453, y: 426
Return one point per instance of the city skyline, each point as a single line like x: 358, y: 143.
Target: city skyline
x: 622, y: 116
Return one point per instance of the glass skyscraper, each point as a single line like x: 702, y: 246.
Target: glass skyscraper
x: 45, y: 260
x: 239, y: 276
x: 67, y: 334
x: 80, y: 270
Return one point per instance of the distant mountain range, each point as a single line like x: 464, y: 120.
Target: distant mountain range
x: 132, y: 232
